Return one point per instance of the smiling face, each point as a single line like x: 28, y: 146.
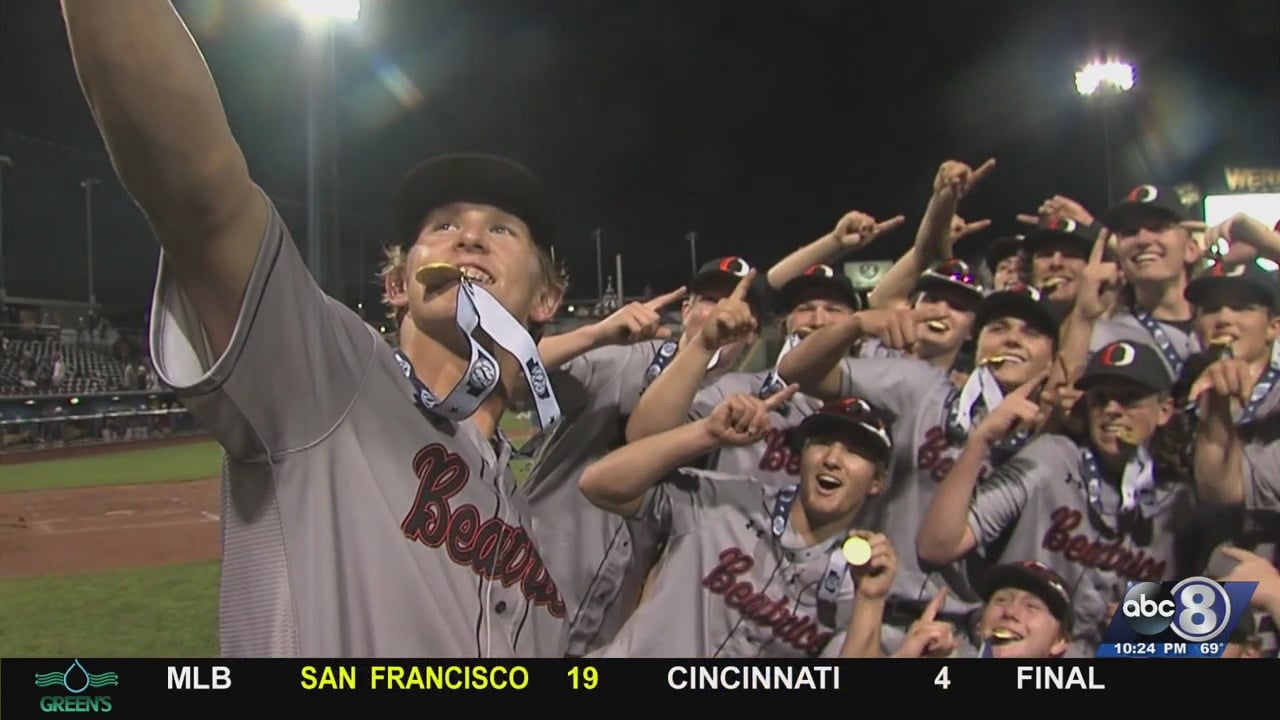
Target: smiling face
x: 1058, y: 263
x: 1017, y: 351
x: 1023, y: 624
x: 937, y: 337
x: 836, y: 476
x: 1122, y: 415
x: 1248, y: 327
x: 493, y: 249
x: 1158, y: 251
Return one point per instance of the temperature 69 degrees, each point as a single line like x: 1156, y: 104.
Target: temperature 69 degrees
x: 1190, y: 618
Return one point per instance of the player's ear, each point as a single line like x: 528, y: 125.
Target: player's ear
x: 877, y: 480
x: 1166, y: 411
x: 395, y: 278
x: 1060, y: 645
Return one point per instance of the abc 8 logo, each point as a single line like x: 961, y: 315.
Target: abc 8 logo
x: 1196, y: 609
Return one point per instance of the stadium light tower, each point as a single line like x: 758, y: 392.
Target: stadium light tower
x: 1105, y: 78
x: 319, y: 18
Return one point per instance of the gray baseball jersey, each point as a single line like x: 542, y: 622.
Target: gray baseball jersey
x: 873, y: 348
x: 915, y: 395
x: 771, y: 461
x: 1124, y: 326
x: 352, y: 525
x: 725, y: 588
x: 599, y: 561
x: 1035, y: 506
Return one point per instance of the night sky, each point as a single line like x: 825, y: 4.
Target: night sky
x: 755, y: 124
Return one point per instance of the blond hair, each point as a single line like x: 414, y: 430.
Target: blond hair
x: 554, y: 278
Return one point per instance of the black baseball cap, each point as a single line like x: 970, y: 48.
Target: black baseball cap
x: 722, y: 275
x: 1143, y: 204
x: 1019, y: 301
x: 1244, y: 280
x: 952, y: 272
x: 822, y: 279
x: 1062, y: 231
x: 1134, y: 361
x: 1005, y: 246
x: 1033, y: 577
x: 851, y: 414
x: 475, y: 178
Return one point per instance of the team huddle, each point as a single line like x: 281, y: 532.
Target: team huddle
x: 959, y: 464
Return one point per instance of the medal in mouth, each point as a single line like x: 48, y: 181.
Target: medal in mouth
x: 936, y: 325
x: 434, y: 276
x: 1052, y: 284
x: 857, y: 551
x: 996, y: 360
x: 1004, y: 636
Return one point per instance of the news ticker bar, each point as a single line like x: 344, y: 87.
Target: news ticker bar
x: 127, y: 685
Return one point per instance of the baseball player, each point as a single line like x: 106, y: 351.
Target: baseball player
x: 932, y: 416
x: 1026, y: 613
x: 1235, y: 396
x: 1122, y: 514
x: 952, y: 290
x: 599, y: 561
x: 749, y: 570
x: 1059, y: 249
x: 367, y: 505
x: 813, y: 300
x: 1006, y: 260
x: 1155, y: 253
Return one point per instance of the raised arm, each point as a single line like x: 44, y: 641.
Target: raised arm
x: 935, y: 236
x: 634, y: 322
x: 854, y: 231
x: 618, y: 482
x: 164, y: 127
x: 944, y: 534
x: 665, y: 403
x: 1220, y: 466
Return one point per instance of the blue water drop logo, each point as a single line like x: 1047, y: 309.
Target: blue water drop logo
x: 76, y: 678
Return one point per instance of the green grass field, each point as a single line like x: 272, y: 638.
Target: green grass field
x: 190, y: 461
x: 168, y: 611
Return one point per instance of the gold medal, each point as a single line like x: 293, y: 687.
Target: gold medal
x: 994, y: 360
x: 936, y: 325
x: 1003, y: 635
x: 857, y: 551
x: 434, y: 276
x: 1127, y: 436
x: 1221, y: 340
x: 1052, y: 284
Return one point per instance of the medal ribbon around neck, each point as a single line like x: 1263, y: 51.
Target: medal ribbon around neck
x: 476, y: 308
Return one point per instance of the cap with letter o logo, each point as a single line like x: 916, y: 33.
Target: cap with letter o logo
x: 1119, y: 354
x: 735, y: 266
x: 1061, y: 224
x: 1143, y: 194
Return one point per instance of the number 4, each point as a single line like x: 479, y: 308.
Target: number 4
x: 943, y: 679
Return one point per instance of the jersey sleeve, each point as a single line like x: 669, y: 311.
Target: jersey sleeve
x: 291, y: 369
x: 677, y: 505
x: 893, y: 384
x: 1260, y: 471
x: 1000, y: 498
x: 731, y: 384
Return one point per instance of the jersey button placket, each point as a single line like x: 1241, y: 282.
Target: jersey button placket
x: 500, y: 607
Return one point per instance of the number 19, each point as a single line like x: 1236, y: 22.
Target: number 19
x: 583, y: 678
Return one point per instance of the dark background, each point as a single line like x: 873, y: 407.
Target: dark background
x: 756, y: 124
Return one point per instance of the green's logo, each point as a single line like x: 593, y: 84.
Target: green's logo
x: 76, y: 680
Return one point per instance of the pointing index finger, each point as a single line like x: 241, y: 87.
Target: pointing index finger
x: 740, y: 292
x: 663, y: 300
x: 1027, y: 387
x: 1099, y: 247
x: 931, y: 610
x: 783, y: 395
x: 983, y: 170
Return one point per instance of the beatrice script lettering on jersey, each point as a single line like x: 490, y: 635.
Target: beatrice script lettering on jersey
x: 797, y: 630
x: 777, y: 455
x: 937, y: 455
x: 490, y: 547
x: 1112, y: 556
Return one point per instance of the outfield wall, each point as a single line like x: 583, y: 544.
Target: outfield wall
x: 44, y: 421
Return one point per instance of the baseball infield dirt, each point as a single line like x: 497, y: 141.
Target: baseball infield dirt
x: 52, y: 532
